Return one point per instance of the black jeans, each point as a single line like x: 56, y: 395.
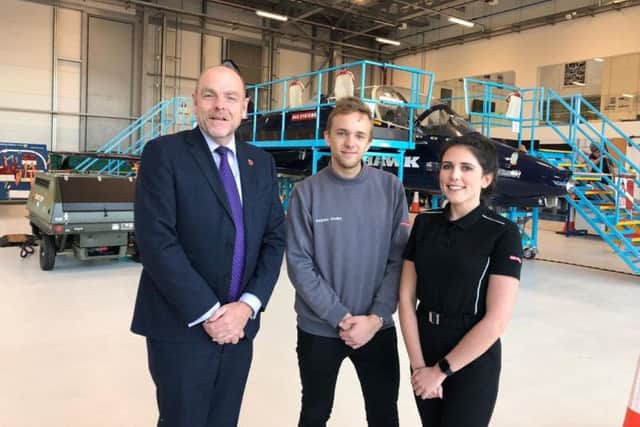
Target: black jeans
x: 319, y: 360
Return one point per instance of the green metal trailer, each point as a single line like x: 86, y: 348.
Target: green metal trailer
x: 88, y: 215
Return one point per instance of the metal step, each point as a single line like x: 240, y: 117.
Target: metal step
x: 598, y: 192
x: 546, y: 150
x: 586, y: 178
x: 628, y: 222
x: 607, y: 207
x: 633, y: 238
x: 568, y: 165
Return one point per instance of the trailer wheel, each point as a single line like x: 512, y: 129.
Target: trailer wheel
x: 132, y: 248
x: 47, y: 252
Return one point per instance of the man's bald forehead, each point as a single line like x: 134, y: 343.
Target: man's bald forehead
x: 219, y: 69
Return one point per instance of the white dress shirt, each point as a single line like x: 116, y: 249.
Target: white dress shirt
x: 246, y: 297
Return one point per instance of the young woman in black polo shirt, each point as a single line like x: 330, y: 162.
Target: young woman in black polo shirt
x: 462, y: 264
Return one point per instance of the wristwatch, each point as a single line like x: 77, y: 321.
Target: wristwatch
x: 443, y: 364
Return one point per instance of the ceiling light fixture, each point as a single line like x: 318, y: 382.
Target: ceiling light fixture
x: 577, y: 83
x: 270, y: 15
x: 387, y: 41
x: 627, y: 95
x: 460, y: 21
x: 598, y: 59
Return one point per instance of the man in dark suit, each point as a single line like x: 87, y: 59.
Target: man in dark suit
x: 210, y: 230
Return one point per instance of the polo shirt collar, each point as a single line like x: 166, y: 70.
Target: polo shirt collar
x: 469, y: 219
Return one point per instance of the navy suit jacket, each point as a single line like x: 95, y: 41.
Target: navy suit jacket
x: 185, y: 234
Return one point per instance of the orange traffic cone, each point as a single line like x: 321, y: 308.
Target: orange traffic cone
x: 415, y: 204
x: 632, y: 419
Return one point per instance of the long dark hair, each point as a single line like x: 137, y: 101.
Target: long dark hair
x: 484, y: 150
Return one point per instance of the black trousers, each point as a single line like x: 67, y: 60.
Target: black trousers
x: 469, y: 395
x: 199, y: 384
x: 377, y: 366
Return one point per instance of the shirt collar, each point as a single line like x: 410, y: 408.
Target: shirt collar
x: 469, y: 219
x: 213, y: 145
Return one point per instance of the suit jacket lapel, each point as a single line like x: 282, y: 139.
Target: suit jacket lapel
x: 202, y: 156
x: 248, y: 181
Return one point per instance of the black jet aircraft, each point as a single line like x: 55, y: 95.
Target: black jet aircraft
x: 523, y: 180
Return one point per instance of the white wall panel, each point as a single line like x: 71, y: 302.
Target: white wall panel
x: 289, y: 64
x: 190, y: 5
x: 212, y: 50
x: 623, y: 74
x: 173, y: 46
x: 25, y: 52
x: 109, y: 79
x: 25, y: 127
x: 319, y: 62
x: 234, y: 15
x: 607, y: 34
x: 69, y: 34
x: 292, y: 62
x: 67, y: 132
x: 403, y: 79
x: 110, y: 66
x: 190, y: 54
x: 68, y: 90
x: 185, y: 87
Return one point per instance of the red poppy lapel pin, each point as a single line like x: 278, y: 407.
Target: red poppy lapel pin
x: 250, y: 162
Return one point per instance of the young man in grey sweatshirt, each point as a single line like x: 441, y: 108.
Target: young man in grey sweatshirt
x: 347, y: 227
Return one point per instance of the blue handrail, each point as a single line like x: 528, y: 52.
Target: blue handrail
x: 158, y: 120
x: 609, y: 226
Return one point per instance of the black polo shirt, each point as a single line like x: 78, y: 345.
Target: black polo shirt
x: 454, y: 259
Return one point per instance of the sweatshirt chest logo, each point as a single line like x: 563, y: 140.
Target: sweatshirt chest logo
x: 329, y: 219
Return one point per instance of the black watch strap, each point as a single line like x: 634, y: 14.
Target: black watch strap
x: 443, y: 364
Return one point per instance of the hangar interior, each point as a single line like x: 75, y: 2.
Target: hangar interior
x: 75, y: 73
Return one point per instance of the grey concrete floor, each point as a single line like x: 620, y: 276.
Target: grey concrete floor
x: 68, y: 359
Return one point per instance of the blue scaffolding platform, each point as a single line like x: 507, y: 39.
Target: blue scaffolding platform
x: 281, y: 102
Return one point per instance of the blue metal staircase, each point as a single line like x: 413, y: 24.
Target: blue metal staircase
x: 603, y: 200
x: 165, y: 117
x: 492, y: 96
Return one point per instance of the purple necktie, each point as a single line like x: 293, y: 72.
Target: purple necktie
x: 229, y: 182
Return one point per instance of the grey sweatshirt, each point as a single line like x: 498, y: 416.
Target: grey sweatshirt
x: 345, y: 239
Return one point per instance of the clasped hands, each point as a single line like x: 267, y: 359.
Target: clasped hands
x: 427, y: 382
x: 356, y: 331
x: 226, y: 325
